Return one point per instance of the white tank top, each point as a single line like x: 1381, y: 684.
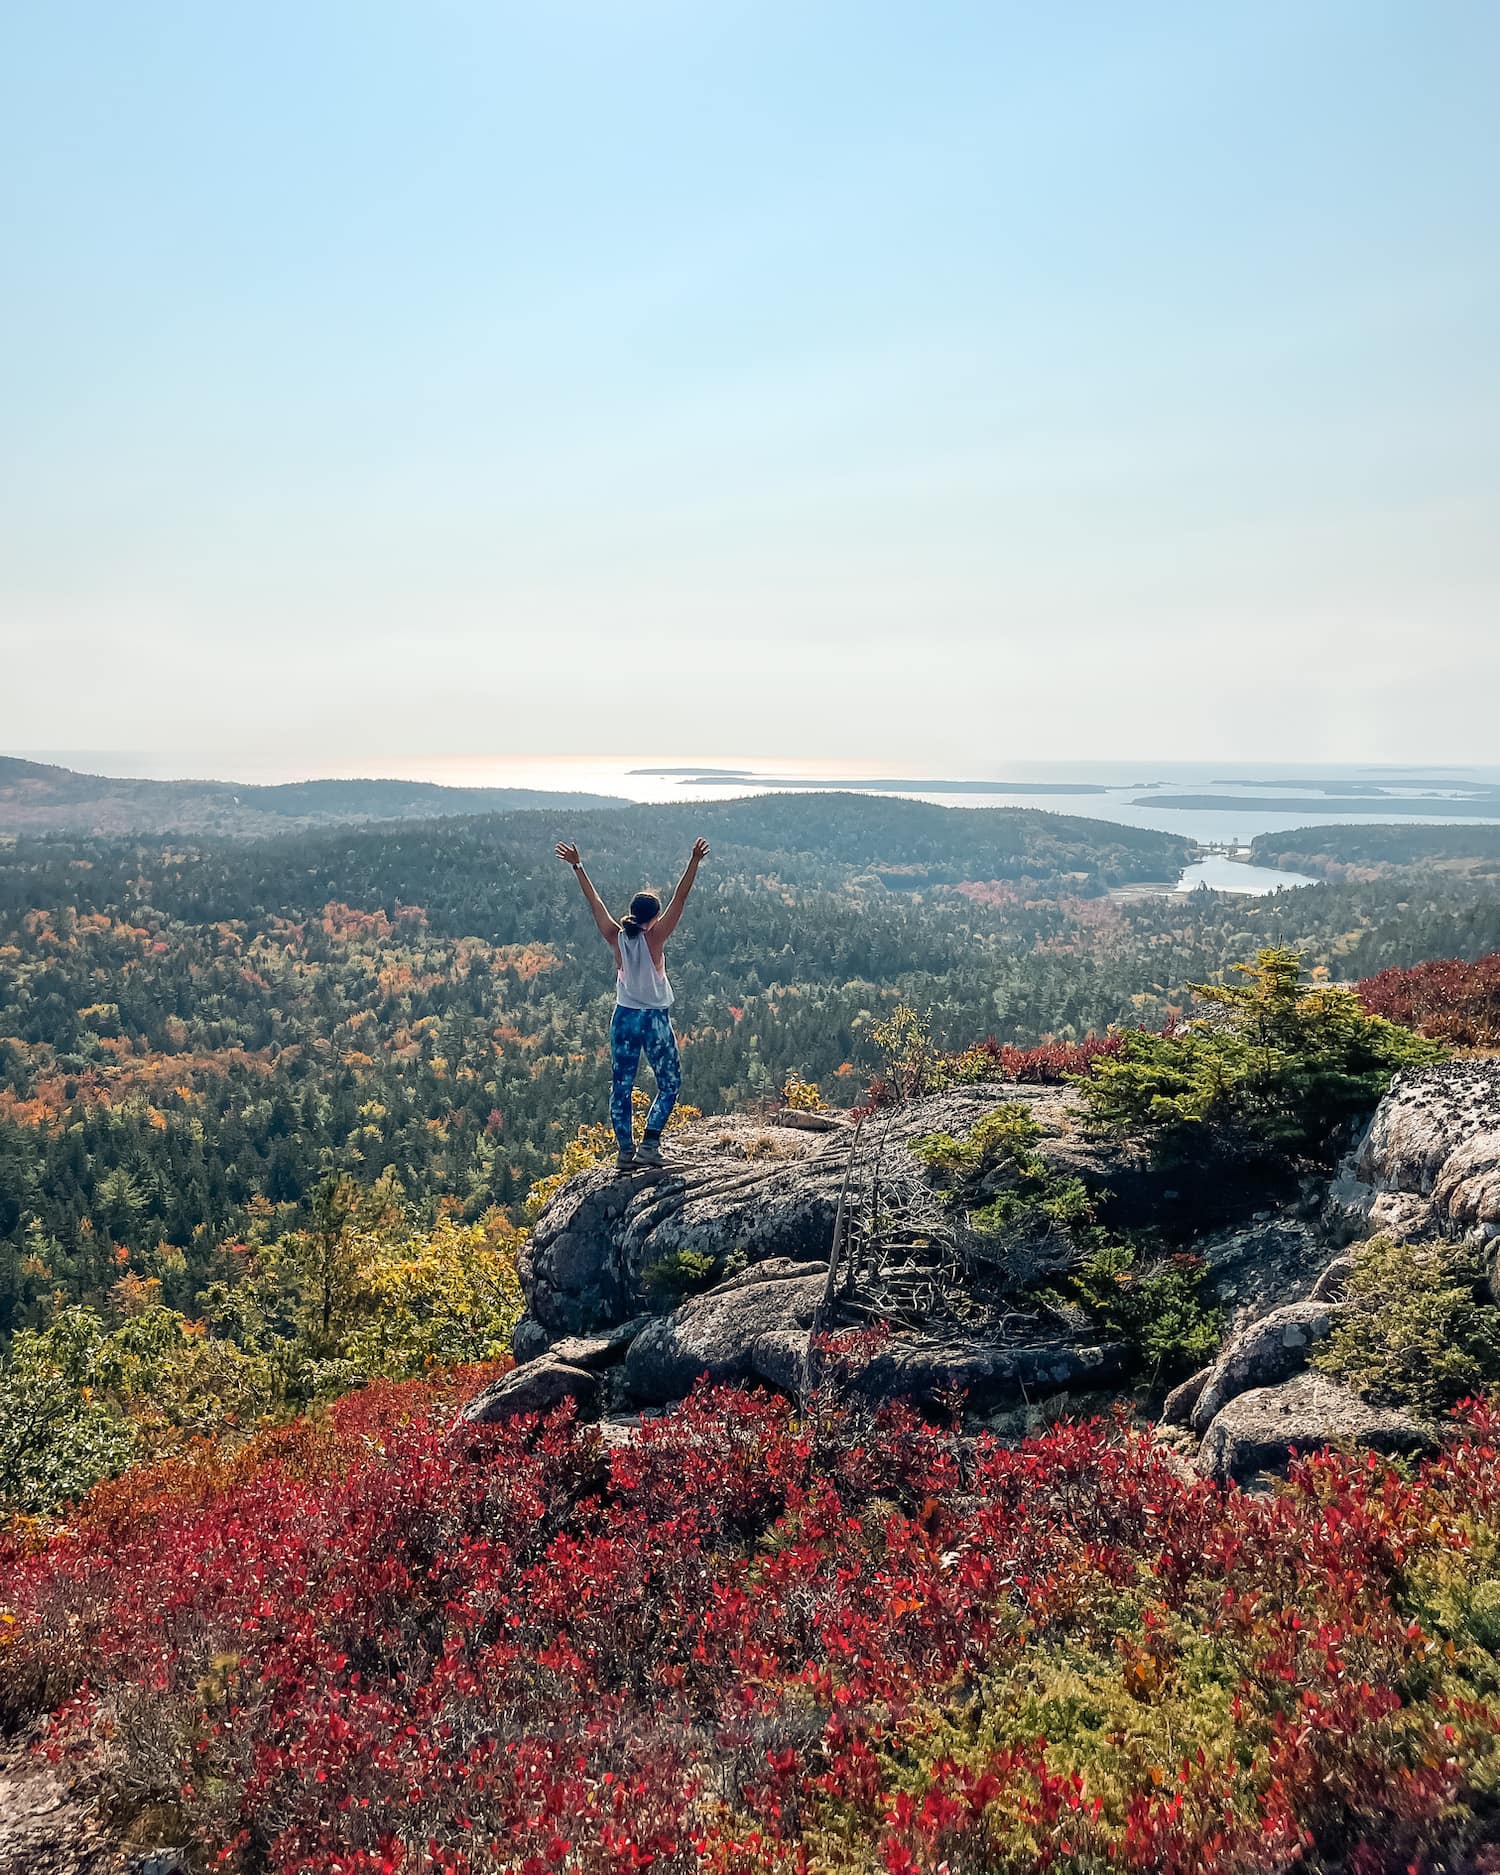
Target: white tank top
x: 640, y: 984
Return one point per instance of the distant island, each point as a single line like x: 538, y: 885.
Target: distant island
x: 726, y: 774
x: 36, y: 797
x: 866, y: 784
x: 1333, y: 848
x: 1446, y: 807
x: 1367, y: 785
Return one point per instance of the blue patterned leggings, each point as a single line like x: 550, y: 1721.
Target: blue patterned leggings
x: 630, y: 1032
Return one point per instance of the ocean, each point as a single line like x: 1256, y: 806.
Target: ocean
x: 1232, y: 801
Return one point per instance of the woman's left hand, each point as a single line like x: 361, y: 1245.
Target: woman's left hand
x: 568, y: 853
x: 700, y: 851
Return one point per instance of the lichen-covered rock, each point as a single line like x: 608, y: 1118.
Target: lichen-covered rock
x: 606, y: 1349
x: 1467, y: 1193
x: 1268, y: 1351
x: 933, y: 1373
x: 1430, y: 1164
x: 716, y: 1334
x: 535, y: 1388
x: 1260, y: 1429
x: 1259, y: 1265
x: 779, y: 1357
x: 528, y: 1340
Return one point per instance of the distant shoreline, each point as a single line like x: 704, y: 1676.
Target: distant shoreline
x: 877, y: 784
x: 1192, y: 800
x: 1484, y: 807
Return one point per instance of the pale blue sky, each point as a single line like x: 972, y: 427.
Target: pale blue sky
x: 948, y: 383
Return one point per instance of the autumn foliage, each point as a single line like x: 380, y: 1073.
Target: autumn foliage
x: 1050, y: 1063
x: 750, y: 1640
x: 1453, y: 1002
x: 913, y: 1066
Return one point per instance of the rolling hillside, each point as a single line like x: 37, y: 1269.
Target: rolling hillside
x: 36, y: 797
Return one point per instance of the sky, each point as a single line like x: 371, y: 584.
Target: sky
x: 943, y: 384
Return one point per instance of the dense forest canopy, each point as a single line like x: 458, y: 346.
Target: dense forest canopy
x: 198, y: 1033
x: 1324, y: 849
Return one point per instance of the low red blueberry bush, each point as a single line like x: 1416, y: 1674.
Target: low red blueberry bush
x: 757, y: 1641
x: 1452, y: 1001
x: 1053, y: 1062
x: 1047, y: 1064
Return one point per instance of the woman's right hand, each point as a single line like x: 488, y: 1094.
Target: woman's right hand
x: 568, y: 853
x: 700, y: 852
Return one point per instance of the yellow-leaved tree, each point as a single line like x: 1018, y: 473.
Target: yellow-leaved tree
x: 440, y: 1298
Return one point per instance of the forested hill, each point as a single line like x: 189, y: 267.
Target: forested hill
x: 1334, y: 849
x: 494, y: 876
x: 37, y: 797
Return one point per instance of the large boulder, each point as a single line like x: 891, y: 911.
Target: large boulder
x: 753, y: 1190
x: 765, y: 1311
x: 1430, y: 1164
x: 729, y: 1186
x: 1268, y: 1351
x: 1177, y: 1408
x: 537, y: 1387
x: 1259, y: 1430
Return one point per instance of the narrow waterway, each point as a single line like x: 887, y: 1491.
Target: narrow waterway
x: 1221, y: 874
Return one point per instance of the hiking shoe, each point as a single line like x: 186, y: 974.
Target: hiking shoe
x: 648, y: 1152
x: 624, y: 1161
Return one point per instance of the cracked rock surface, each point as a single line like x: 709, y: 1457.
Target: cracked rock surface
x: 1430, y: 1164
x: 49, y: 1825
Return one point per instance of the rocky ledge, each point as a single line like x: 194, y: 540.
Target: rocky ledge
x: 1427, y: 1169
x: 759, y: 1197
x: 759, y: 1189
x: 754, y: 1190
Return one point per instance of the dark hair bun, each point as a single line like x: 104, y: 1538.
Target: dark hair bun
x: 643, y: 908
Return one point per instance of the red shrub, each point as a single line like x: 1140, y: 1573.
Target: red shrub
x: 1452, y: 1001
x: 1049, y: 1063
x: 748, y: 1641
x: 1046, y: 1061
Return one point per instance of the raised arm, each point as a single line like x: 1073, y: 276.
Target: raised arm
x: 608, y: 929
x: 667, y: 923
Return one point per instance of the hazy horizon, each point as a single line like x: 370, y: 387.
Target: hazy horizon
x: 475, y: 768
x: 899, y: 384
x: 1232, y: 801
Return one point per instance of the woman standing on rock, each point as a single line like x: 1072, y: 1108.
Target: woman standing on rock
x: 642, y: 999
